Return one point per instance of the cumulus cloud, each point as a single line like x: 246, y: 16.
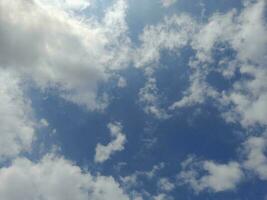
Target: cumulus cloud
x: 208, y: 175
x: 171, y: 34
x: 54, y: 178
x: 104, y: 152
x: 55, y: 49
x: 17, y: 126
x: 61, y: 51
x: 256, y: 161
x: 244, y: 33
x: 247, y: 97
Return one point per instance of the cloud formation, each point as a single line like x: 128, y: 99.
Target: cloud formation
x: 256, y: 158
x: 17, y: 126
x: 218, y: 177
x: 245, y: 101
x: 55, y: 178
x: 45, y: 43
x: 104, y: 152
x: 61, y: 51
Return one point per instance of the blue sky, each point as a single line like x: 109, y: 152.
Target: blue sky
x: 133, y: 100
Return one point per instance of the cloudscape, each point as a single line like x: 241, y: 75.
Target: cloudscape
x: 133, y: 100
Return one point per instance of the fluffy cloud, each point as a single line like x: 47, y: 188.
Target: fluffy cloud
x: 149, y: 95
x: 55, y: 178
x: 134, y: 179
x: 216, y: 177
x: 236, y: 31
x: 172, y: 34
x: 134, y: 183
x: 165, y: 184
x: 202, y: 175
x: 197, y: 93
x: 256, y: 158
x: 104, y: 152
x: 59, y: 50
x: 242, y: 32
x: 249, y: 96
x: 17, y: 127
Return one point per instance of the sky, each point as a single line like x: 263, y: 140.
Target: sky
x: 133, y: 99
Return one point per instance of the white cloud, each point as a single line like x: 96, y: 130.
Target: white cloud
x: 150, y: 97
x: 17, y: 126
x: 246, y: 34
x: 168, y: 3
x: 220, y: 27
x: 59, y: 50
x: 197, y: 93
x: 165, y: 184
x: 250, y: 96
x: 216, y: 177
x: 171, y: 34
x: 104, y: 152
x: 153, y: 172
x: 55, y: 178
x: 221, y: 177
x: 135, y: 179
x: 129, y: 181
x: 67, y: 4
x: 256, y: 158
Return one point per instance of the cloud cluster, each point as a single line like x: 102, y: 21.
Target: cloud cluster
x: 172, y: 34
x: 104, y: 152
x: 256, y: 156
x: 243, y: 33
x: 165, y: 184
x: 54, y: 178
x: 216, y: 178
x: 17, y: 127
x: 150, y: 97
x: 58, y: 50
x: 244, y: 102
x: 45, y: 44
